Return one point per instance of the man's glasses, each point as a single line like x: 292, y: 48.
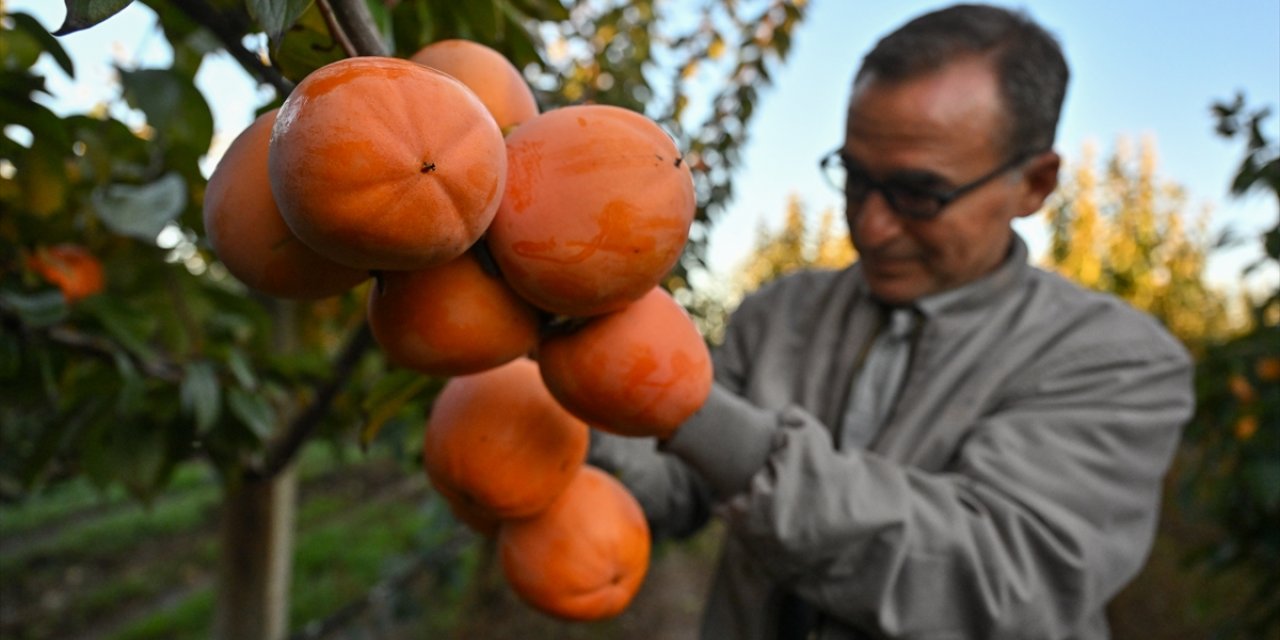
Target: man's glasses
x: 907, y: 200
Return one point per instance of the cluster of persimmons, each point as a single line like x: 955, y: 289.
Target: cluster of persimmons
x: 517, y: 252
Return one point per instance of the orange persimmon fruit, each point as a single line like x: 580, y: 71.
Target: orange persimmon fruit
x: 381, y: 163
x: 639, y: 371
x: 71, y: 268
x: 491, y: 76
x: 248, y: 235
x: 597, y: 209
x: 451, y: 319
x: 585, y: 556
x: 497, y: 439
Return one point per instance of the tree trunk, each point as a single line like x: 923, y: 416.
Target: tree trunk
x: 257, y: 532
x: 256, y: 541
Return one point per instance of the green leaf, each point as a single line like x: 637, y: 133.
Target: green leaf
x: 274, y: 16
x: 128, y: 327
x: 82, y: 14
x: 10, y: 356
x: 1264, y: 479
x: 202, y: 395
x: 174, y: 107
x: 20, y: 109
x: 242, y: 369
x: 388, y: 396
x: 19, y: 50
x: 253, y: 411
x: 306, y: 46
x: 38, y: 309
x: 141, y: 211
x: 24, y: 23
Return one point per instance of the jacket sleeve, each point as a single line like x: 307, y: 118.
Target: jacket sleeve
x: 1047, y: 508
x: 677, y: 501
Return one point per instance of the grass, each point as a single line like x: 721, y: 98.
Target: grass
x: 188, y: 619
x: 334, y: 563
x: 79, y: 495
x: 131, y: 554
x: 119, y: 530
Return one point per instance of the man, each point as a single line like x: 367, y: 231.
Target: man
x: 941, y: 440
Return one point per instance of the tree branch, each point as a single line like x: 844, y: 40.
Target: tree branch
x: 229, y: 35
x: 358, y: 26
x: 283, y: 449
x: 335, y: 29
x: 93, y: 346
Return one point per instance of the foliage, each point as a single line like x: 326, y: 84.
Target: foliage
x: 1233, y: 479
x: 176, y: 360
x: 797, y: 245
x: 1125, y: 233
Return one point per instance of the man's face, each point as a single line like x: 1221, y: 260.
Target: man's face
x: 937, y: 131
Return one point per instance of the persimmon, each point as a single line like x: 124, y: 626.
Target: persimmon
x: 380, y: 163
x: 597, y: 209
x: 69, y: 267
x: 585, y: 556
x: 473, y: 515
x: 497, y: 439
x: 450, y: 319
x: 639, y: 371
x: 248, y: 235
x: 488, y: 73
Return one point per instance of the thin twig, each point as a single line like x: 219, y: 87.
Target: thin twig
x: 358, y: 25
x: 229, y: 35
x: 93, y: 346
x: 335, y: 29
x: 282, y: 450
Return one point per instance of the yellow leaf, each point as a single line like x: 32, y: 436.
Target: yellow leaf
x: 716, y: 48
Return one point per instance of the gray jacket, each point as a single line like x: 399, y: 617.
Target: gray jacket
x: 1012, y: 492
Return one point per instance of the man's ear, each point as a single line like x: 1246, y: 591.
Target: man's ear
x: 1040, y: 178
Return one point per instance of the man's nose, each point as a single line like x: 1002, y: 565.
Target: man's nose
x: 872, y: 221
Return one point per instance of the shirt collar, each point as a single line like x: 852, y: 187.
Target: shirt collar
x: 980, y: 291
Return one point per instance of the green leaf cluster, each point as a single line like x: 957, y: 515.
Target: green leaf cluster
x: 1233, y: 477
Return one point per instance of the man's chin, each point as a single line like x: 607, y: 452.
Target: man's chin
x: 896, y: 290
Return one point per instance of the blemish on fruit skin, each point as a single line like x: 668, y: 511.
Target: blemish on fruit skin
x: 616, y: 226
x: 427, y: 167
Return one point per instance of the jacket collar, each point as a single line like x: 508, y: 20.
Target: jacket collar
x: 981, y: 292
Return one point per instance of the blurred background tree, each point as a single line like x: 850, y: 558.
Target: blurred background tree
x: 1129, y: 232
x: 1232, y: 475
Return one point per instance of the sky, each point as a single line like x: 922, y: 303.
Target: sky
x: 1140, y: 68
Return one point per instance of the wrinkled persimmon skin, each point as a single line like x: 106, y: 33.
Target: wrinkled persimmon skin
x: 70, y: 267
x: 248, y: 235
x: 499, y: 440
x: 639, y: 371
x: 451, y: 319
x: 379, y: 163
x: 596, y: 211
x: 491, y: 76
x: 585, y: 556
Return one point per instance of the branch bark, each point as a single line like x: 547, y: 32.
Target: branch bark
x: 358, y: 26
x: 230, y: 34
x: 282, y: 450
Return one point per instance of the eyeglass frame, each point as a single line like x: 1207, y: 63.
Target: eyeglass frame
x: 943, y: 198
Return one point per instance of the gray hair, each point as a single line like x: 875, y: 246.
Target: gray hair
x: 1031, y: 70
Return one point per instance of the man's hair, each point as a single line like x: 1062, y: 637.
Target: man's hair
x: 1030, y: 68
